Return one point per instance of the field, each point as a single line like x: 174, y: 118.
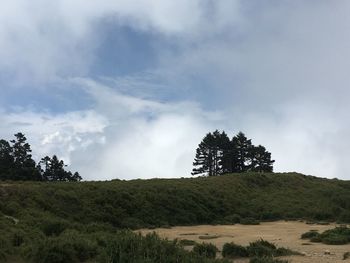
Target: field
x: 282, y: 233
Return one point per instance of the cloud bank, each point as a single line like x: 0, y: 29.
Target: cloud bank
x: 276, y: 70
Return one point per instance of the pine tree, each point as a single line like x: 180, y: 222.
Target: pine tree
x: 242, y: 147
x: 209, y: 154
x: 24, y: 165
x: 52, y: 169
x: 6, y: 160
x: 261, y: 160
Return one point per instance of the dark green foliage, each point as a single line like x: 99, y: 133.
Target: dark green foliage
x: 52, y: 169
x: 16, y: 163
x: 310, y: 234
x: 335, y: 236
x: 261, y: 248
x: 266, y: 260
x: 259, y: 251
x: 206, y: 250
x: 249, y: 221
x: 217, y: 154
x: 232, y: 250
x: 187, y: 242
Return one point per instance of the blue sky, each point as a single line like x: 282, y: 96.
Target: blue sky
x: 105, y: 83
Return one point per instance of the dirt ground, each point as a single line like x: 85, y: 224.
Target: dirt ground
x: 282, y: 233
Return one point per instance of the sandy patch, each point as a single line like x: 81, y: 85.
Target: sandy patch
x: 282, y: 233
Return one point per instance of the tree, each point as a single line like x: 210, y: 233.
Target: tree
x: 6, y: 159
x: 243, y: 148
x: 209, y: 154
x: 24, y: 166
x: 217, y: 155
x: 52, y: 169
x: 261, y: 160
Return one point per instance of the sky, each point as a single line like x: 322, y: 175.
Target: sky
x: 127, y: 89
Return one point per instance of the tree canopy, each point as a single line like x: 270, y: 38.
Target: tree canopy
x: 217, y: 154
x: 16, y: 163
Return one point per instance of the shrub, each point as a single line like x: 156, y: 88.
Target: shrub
x: 346, y: 255
x: 232, y: 250
x: 205, y: 250
x: 187, y: 242
x: 310, y: 234
x: 261, y: 248
x: 69, y: 247
x: 249, y: 221
x: 336, y: 236
x: 232, y: 219
x: 53, y: 227
x: 266, y: 260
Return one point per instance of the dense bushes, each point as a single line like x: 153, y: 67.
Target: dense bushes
x: 78, y: 243
x: 205, y: 249
x: 259, y: 251
x: 232, y: 250
x: 335, y: 236
x: 239, y: 198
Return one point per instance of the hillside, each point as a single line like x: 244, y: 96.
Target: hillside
x: 58, y: 222
x: 163, y: 202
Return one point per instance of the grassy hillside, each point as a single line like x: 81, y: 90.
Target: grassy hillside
x: 87, y: 215
x: 160, y: 202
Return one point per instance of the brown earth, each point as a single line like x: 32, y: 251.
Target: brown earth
x: 282, y: 233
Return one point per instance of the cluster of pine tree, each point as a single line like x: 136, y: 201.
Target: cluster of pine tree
x: 217, y: 154
x: 16, y: 163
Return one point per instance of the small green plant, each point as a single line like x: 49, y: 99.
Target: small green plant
x: 187, y: 242
x: 310, y: 234
x: 205, y: 250
x: 266, y: 260
x: 232, y: 250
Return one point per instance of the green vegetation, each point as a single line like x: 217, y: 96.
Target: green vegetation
x: 310, y: 234
x: 168, y: 202
x: 232, y: 250
x: 205, y: 250
x: 217, y: 154
x: 187, y: 242
x: 17, y: 164
x: 259, y: 251
x: 336, y: 236
x: 266, y: 260
x: 81, y: 218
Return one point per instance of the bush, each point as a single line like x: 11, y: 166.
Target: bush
x: 187, y: 242
x: 266, y: 260
x: 249, y: 221
x: 346, y: 255
x: 232, y: 250
x: 69, y: 247
x: 261, y: 248
x: 205, y: 250
x: 336, y: 236
x: 53, y: 227
x: 310, y: 234
x: 232, y: 219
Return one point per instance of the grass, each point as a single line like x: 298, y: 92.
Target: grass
x: 48, y: 212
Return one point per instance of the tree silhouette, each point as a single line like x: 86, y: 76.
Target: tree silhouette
x: 52, y: 169
x: 216, y: 155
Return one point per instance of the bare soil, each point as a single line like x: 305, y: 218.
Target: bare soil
x: 282, y: 233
